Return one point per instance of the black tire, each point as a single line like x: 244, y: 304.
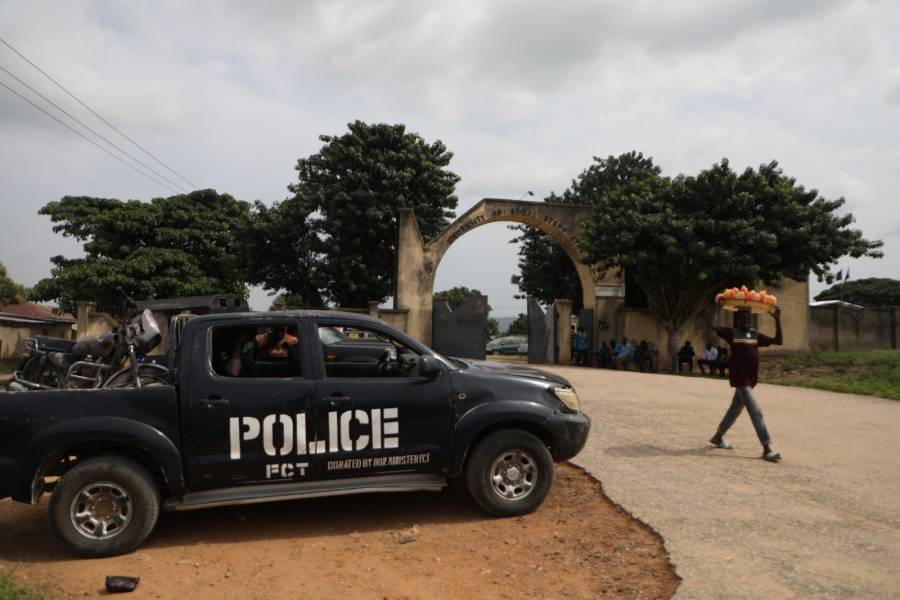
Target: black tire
x: 495, y: 456
x: 111, y: 475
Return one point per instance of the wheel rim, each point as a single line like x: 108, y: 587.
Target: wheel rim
x: 514, y: 475
x: 101, y: 510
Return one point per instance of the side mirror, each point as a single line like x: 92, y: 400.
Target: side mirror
x: 429, y: 367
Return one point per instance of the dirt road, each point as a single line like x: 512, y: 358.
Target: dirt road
x: 441, y: 546
x: 825, y: 523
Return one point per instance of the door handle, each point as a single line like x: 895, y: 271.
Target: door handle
x: 214, y: 401
x: 337, y: 398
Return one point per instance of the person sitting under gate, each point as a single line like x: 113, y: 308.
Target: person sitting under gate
x: 643, y: 357
x: 722, y: 360
x: 603, y: 356
x: 581, y: 348
x: 710, y: 356
x: 686, y: 357
x: 614, y: 349
x: 625, y: 355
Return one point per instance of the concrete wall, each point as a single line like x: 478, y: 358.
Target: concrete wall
x: 10, y: 339
x: 839, y: 328
x: 396, y: 318
x: 793, y: 298
x: 11, y: 336
x: 640, y: 324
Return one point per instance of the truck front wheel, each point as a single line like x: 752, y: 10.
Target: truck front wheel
x: 104, y: 506
x: 509, y: 473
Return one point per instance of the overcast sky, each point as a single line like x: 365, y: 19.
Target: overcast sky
x: 524, y: 94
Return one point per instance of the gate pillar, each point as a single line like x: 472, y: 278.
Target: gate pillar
x: 415, y: 277
x: 563, y: 331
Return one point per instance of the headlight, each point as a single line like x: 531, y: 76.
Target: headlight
x: 568, y: 397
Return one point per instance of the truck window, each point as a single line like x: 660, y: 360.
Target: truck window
x: 256, y: 351
x: 363, y: 352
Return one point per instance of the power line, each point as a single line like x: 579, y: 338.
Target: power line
x: 72, y: 129
x: 96, y: 114
x: 65, y: 112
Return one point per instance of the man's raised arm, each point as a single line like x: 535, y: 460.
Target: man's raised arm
x: 779, y: 337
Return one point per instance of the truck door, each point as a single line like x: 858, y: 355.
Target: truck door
x: 249, y: 404
x: 373, y: 420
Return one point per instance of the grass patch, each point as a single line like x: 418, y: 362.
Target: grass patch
x: 870, y: 373
x: 10, y: 590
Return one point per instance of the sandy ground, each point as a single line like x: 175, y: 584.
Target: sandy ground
x: 824, y: 523
x: 441, y: 546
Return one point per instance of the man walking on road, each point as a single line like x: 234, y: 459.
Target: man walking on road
x: 744, y: 369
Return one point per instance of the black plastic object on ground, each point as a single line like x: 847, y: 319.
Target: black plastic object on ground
x: 120, y: 585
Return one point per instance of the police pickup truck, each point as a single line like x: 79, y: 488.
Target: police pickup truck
x: 260, y: 407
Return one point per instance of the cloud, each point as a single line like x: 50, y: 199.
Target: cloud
x: 523, y: 93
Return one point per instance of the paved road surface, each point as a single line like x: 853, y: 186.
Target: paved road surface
x: 824, y: 523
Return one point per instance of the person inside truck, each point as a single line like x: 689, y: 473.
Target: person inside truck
x: 275, y: 342
x: 243, y: 347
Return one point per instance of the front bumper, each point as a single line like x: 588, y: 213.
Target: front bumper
x: 570, y: 432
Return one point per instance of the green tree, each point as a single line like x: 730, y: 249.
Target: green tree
x: 457, y: 296
x: 687, y: 238
x: 10, y: 291
x: 344, y: 207
x: 493, y: 327
x: 519, y: 326
x: 282, y: 253
x: 545, y: 270
x: 183, y: 245
x: 872, y: 292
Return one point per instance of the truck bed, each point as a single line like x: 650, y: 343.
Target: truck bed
x: 40, y: 423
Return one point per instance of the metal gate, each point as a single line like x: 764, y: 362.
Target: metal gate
x: 541, y: 333
x: 462, y: 332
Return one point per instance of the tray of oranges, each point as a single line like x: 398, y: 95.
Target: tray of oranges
x: 741, y: 298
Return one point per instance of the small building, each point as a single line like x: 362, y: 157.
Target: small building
x: 20, y: 321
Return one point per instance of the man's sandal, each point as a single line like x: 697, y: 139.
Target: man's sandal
x: 772, y: 456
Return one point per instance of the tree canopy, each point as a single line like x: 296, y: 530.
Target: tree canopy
x: 182, y: 245
x: 336, y: 236
x: 457, y: 296
x: 519, y: 326
x: 872, y: 292
x: 10, y: 291
x: 545, y: 270
x: 686, y: 238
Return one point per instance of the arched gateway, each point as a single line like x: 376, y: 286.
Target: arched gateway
x: 418, y: 261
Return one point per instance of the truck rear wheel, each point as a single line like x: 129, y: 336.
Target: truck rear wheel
x: 104, y: 506
x: 510, y: 473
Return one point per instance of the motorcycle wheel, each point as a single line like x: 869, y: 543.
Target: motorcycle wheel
x: 125, y: 379
x: 44, y: 374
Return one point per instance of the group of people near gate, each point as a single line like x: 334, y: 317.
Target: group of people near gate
x: 643, y: 356
x: 715, y: 359
x: 626, y: 354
